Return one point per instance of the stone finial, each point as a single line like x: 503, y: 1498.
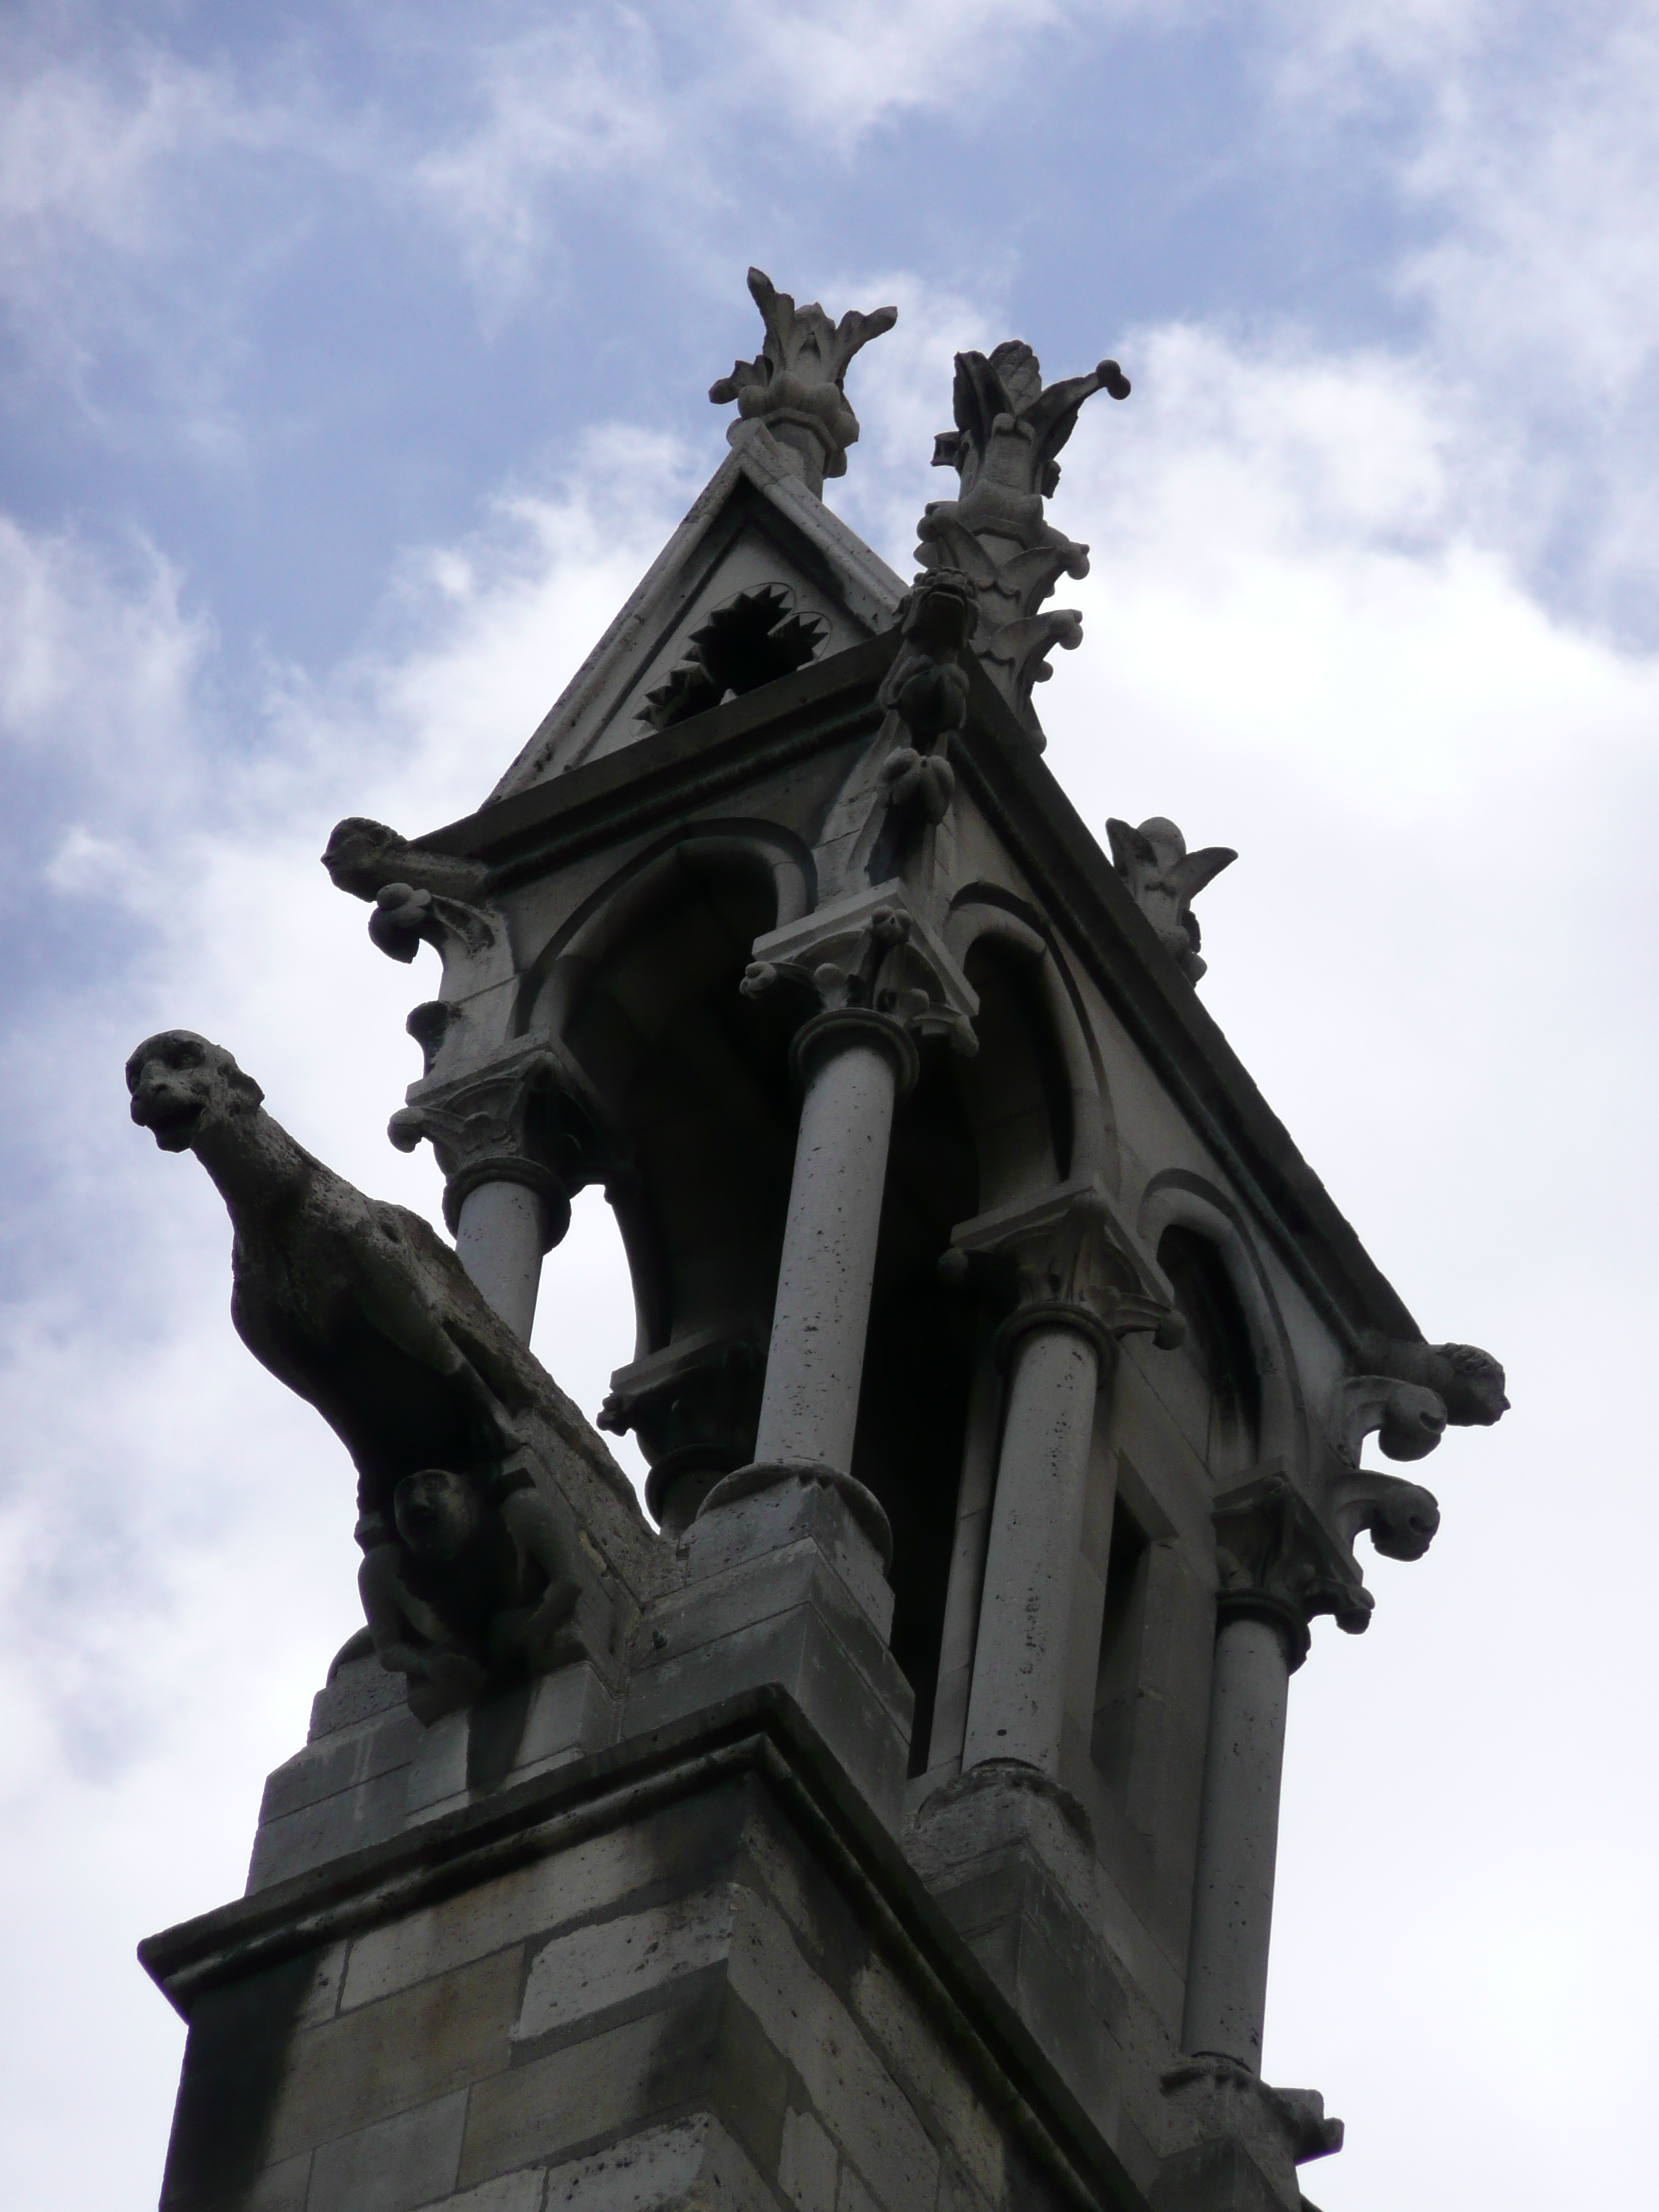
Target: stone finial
x: 1163, y: 879
x: 1010, y: 427
x: 794, y: 385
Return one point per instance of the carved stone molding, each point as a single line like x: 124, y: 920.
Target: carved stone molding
x: 1278, y: 1562
x: 529, y: 1116
x: 794, y: 387
x: 1163, y: 879
x: 872, y: 958
x: 1009, y: 429
x: 1072, y: 1261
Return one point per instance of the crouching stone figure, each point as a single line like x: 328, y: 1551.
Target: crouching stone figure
x: 467, y: 1588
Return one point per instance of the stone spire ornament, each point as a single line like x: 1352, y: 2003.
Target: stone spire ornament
x: 1010, y: 427
x: 1163, y: 879
x: 794, y: 387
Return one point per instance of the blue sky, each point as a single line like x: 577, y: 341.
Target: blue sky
x: 352, y: 366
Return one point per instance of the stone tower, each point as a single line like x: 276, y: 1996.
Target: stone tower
x: 892, y: 1825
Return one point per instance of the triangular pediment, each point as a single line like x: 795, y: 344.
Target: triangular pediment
x: 759, y: 564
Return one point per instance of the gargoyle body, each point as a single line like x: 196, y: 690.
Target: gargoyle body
x: 472, y: 1466
x: 357, y: 1305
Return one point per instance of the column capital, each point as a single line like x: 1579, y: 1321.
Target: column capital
x: 870, y: 954
x: 1278, y: 1562
x: 527, y: 1117
x: 1075, y: 1262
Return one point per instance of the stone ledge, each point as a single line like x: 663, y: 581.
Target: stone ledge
x: 760, y: 1734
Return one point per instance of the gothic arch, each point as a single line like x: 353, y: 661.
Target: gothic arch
x: 552, y: 983
x: 988, y: 921
x: 1180, y: 1200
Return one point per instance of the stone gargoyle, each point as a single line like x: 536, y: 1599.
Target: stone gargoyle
x: 468, y: 1588
x: 511, y: 1539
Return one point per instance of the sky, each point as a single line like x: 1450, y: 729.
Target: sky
x: 352, y: 367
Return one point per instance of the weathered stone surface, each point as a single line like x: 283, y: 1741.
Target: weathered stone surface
x: 392, y: 2165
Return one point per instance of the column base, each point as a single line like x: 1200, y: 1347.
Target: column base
x: 784, y: 1585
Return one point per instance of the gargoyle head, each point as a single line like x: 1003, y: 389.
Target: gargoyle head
x: 438, y: 1515
x: 181, y: 1085
x: 354, y: 848
x: 1472, y: 1386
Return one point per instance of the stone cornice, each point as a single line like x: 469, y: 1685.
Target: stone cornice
x: 761, y: 1734
x: 659, y: 781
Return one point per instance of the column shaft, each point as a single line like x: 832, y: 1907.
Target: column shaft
x: 499, y: 1240
x: 810, y: 1407
x: 1238, y: 1843
x: 1019, y: 1693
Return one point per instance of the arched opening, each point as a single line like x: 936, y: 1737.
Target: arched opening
x: 1217, y: 1380
x: 1015, y: 1089
x: 696, y: 1083
x: 918, y: 1368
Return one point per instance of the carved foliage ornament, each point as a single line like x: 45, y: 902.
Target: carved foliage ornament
x: 528, y: 1117
x: 794, y: 385
x: 1163, y: 879
x: 1277, y: 1561
x: 418, y: 897
x: 1071, y: 1262
x: 871, y: 957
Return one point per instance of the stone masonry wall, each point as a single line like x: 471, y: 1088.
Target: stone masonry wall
x: 686, y: 2007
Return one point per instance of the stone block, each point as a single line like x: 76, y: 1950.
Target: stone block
x: 607, y: 1963
x: 754, y: 1529
x: 407, y: 2050
x: 393, y: 2165
x: 909, y: 2044
x: 578, y: 2097
x: 236, y: 2058
x: 808, y: 2169
x: 340, y: 1761
x: 852, y: 2093
x: 589, y: 1879
x: 349, y: 1820
x: 694, y: 2162
x: 797, y: 1644
x: 510, y: 2192
x: 436, y: 1781
x: 571, y: 1712
x: 359, y: 1691
x: 1219, y: 2176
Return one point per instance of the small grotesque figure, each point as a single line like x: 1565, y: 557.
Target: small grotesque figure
x: 470, y: 1591
x: 1469, y: 1382
x: 1163, y: 879
x: 926, y: 688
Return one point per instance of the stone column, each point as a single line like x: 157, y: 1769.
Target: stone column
x: 510, y: 1137
x: 1082, y: 1284
x: 881, y: 979
x: 1279, y: 1567
x: 855, y: 1064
